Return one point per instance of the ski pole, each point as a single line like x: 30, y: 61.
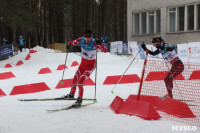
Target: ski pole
x: 64, y: 68
x: 124, y: 72
x: 142, y: 78
x: 95, y: 101
x: 95, y: 79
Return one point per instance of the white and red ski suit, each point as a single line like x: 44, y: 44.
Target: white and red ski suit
x: 88, y: 62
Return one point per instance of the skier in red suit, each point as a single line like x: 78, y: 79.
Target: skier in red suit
x: 88, y: 62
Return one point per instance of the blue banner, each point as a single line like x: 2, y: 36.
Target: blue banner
x: 125, y: 48
x: 6, y: 51
x: 142, y: 52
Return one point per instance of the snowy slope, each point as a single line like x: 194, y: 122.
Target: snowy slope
x: 32, y: 117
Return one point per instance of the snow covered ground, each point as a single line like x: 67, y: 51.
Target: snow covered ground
x: 32, y: 117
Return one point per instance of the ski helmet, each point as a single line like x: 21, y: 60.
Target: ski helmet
x: 88, y: 33
x: 157, y: 39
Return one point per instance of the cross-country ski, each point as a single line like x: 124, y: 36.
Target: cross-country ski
x: 69, y: 107
x: 54, y: 99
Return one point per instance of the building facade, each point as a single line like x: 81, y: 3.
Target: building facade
x: 177, y: 21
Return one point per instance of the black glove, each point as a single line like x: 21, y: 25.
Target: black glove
x: 98, y: 42
x: 144, y: 46
x: 68, y: 45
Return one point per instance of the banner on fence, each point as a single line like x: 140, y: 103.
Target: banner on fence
x: 133, y: 48
x: 6, y: 51
x: 142, y: 52
x: 119, y: 47
x: 125, y: 48
x: 182, y: 51
x: 113, y: 47
x: 189, y: 52
x: 194, y: 51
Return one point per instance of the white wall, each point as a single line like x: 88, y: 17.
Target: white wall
x: 163, y: 5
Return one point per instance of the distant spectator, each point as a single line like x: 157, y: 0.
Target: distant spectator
x: 21, y: 43
x: 4, y: 42
x: 104, y: 39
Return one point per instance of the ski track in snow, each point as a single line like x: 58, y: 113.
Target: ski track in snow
x: 32, y: 117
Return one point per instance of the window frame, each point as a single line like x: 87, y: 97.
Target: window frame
x: 148, y: 14
x: 197, y: 16
x: 169, y: 12
x: 186, y: 23
x: 134, y: 20
x: 188, y: 26
x: 178, y: 19
x: 143, y: 29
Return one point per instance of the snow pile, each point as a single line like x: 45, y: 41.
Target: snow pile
x: 45, y: 50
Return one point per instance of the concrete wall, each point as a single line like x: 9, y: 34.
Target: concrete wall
x: 134, y: 6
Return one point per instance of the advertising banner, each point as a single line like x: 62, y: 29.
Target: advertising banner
x: 113, y: 47
x: 6, y: 51
x: 125, y: 48
x: 119, y: 47
x: 142, y: 52
x: 194, y: 51
x: 182, y: 51
x: 133, y: 48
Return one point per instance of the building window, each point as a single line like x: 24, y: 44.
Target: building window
x: 146, y: 22
x: 172, y: 19
x: 184, y: 18
x: 181, y: 18
x: 198, y: 16
x: 143, y: 23
x: 158, y: 21
x: 151, y: 22
x: 191, y: 17
x: 136, y: 18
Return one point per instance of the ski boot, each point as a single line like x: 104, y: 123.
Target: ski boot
x: 169, y: 95
x: 78, y: 102
x: 68, y: 96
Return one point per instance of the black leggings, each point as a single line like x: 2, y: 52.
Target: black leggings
x: 20, y: 48
x: 176, y: 69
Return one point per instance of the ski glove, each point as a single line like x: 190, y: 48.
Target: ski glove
x: 144, y: 46
x: 68, y: 45
x: 98, y: 42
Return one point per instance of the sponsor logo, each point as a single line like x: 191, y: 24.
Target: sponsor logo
x: 184, y: 128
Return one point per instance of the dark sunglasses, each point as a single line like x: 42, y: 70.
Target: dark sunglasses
x: 87, y: 35
x: 155, y: 40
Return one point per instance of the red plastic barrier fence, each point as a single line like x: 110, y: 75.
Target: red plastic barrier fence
x: 2, y: 93
x: 44, y: 71
x: 19, y: 63
x: 75, y: 63
x: 186, y: 90
x: 28, y: 57
x: 133, y: 78
x: 141, y: 109
x: 65, y: 83
x: 61, y: 67
x: 29, y: 88
x: 6, y: 75
x: 8, y: 66
x: 32, y: 51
